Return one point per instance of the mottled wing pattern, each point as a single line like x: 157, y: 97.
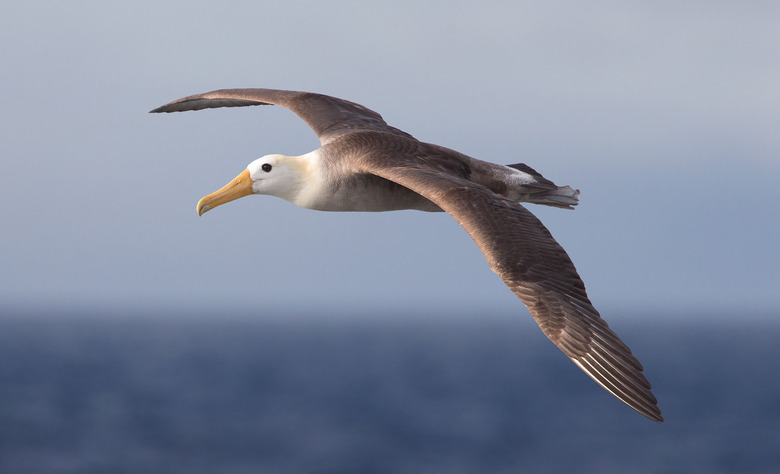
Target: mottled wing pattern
x: 328, y: 116
x: 535, y: 267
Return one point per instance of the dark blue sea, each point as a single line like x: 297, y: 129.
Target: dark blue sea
x: 149, y: 393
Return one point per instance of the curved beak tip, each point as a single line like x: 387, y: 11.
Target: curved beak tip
x: 202, y: 208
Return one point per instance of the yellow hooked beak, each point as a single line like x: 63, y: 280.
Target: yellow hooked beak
x: 241, y: 186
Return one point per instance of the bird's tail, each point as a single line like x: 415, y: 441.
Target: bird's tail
x: 562, y: 196
x: 541, y: 190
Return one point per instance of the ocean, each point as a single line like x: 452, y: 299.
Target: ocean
x: 151, y: 393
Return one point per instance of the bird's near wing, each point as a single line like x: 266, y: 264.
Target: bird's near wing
x: 328, y: 116
x: 535, y: 267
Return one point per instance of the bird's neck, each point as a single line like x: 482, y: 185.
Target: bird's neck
x: 306, y: 184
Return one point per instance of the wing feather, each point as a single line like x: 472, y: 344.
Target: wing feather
x: 329, y: 117
x: 535, y: 267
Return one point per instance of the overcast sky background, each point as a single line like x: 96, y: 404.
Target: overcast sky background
x: 665, y: 115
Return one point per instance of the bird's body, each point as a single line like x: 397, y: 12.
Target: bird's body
x: 326, y: 179
x: 366, y: 165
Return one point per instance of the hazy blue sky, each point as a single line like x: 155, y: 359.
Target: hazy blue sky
x: 664, y: 115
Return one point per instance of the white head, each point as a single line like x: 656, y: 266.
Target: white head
x: 275, y: 175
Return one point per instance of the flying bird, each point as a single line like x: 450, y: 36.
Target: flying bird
x: 364, y: 164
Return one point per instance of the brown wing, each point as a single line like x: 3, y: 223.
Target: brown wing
x: 328, y: 116
x: 535, y: 267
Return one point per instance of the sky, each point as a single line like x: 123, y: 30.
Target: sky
x: 665, y: 115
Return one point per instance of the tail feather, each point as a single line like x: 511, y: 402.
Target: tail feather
x: 564, y: 197
x: 537, y: 189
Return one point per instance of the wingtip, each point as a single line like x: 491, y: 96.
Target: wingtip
x: 658, y: 418
x: 649, y: 411
x: 161, y: 109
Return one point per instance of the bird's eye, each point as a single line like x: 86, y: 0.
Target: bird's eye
x: 266, y: 167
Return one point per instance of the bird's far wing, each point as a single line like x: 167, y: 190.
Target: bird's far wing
x: 328, y: 116
x: 535, y: 267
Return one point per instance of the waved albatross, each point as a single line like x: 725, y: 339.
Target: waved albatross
x: 366, y: 165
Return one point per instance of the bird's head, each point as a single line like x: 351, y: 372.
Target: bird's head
x: 275, y: 175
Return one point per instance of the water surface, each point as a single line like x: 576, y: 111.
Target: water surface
x: 145, y: 393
